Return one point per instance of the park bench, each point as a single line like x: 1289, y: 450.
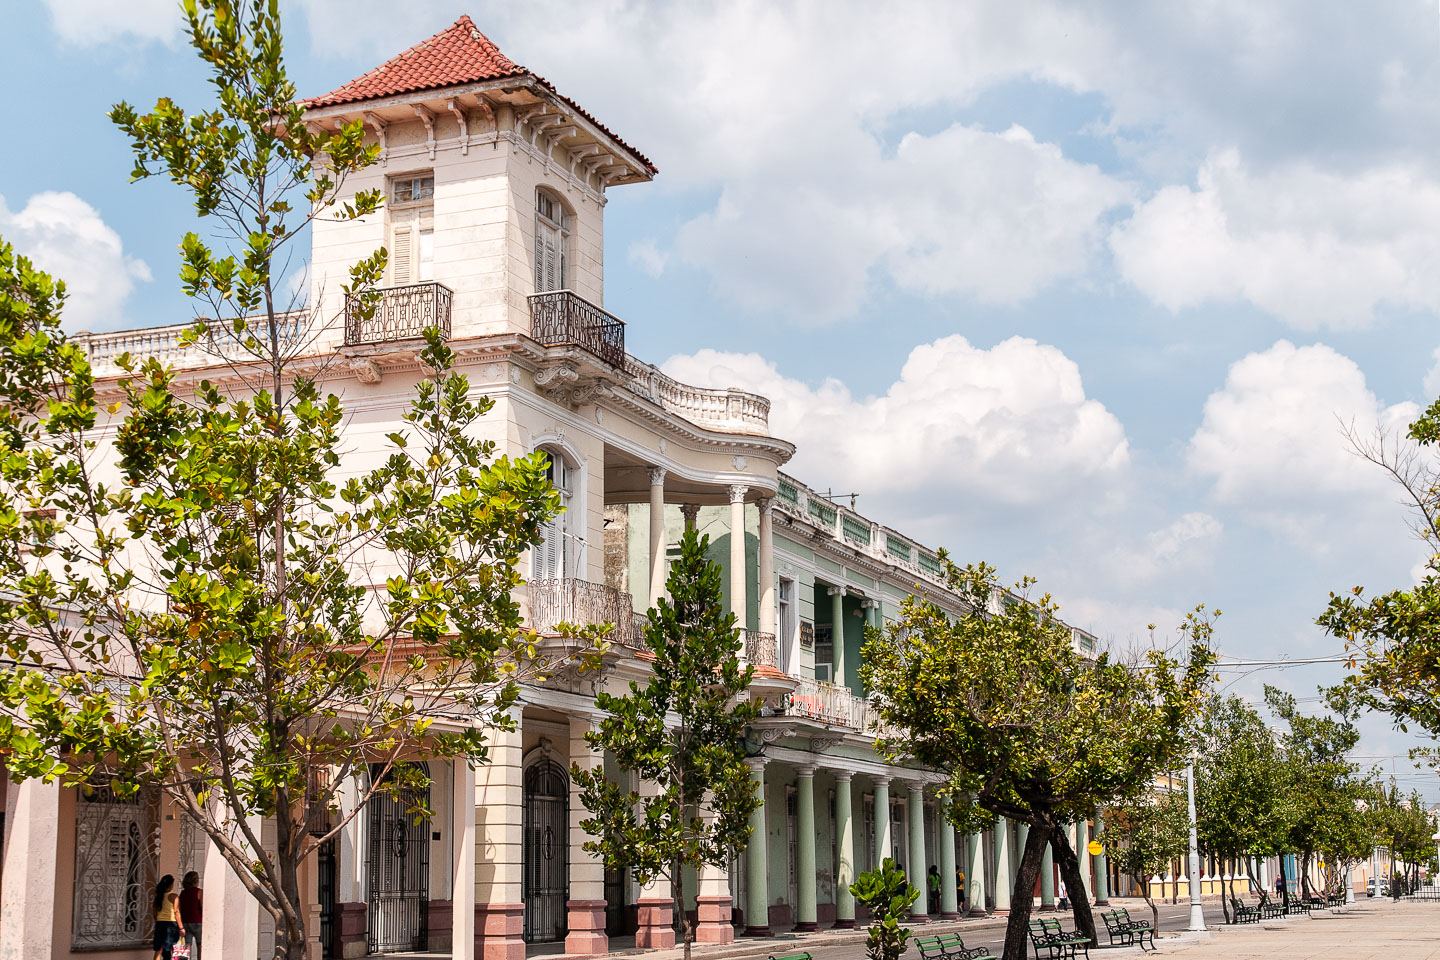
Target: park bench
x: 950, y: 945
x: 1141, y: 930
x: 1058, y: 944
x: 1244, y: 913
x: 793, y: 956
x: 1125, y: 932
x: 1269, y: 909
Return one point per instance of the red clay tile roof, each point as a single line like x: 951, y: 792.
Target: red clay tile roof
x: 456, y: 55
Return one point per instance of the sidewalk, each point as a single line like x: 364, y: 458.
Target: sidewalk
x: 1357, y: 931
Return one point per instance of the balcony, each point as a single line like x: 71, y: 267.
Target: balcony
x: 402, y: 313
x: 832, y: 704
x: 761, y: 649
x: 563, y: 317
x: 730, y: 410
x: 553, y: 602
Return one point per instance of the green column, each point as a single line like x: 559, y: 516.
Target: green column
x: 975, y: 875
x: 915, y: 817
x: 1082, y: 831
x: 845, y: 842
x: 949, y: 908
x: 1102, y: 865
x: 805, y: 881
x: 837, y: 636
x: 1003, y: 879
x: 757, y: 890
x: 1047, y: 879
x: 882, y: 820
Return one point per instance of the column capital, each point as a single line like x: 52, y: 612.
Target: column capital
x: 835, y: 591
x: 691, y: 513
x: 880, y: 781
x: 765, y: 506
x: 806, y: 770
x: 869, y: 603
x: 657, y: 476
x: 915, y: 786
x: 738, y: 492
x: 756, y: 764
x: 843, y: 776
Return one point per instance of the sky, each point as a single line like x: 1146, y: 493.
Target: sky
x: 1089, y: 291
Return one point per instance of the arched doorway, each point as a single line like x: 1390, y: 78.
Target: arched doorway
x: 546, y: 849
x: 397, y: 863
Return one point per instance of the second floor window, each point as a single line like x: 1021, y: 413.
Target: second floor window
x: 552, y: 239
x: 411, y: 213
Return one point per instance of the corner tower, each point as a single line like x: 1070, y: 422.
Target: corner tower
x: 494, y: 187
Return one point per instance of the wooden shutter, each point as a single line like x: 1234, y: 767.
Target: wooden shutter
x: 547, y: 257
x: 425, y: 256
x: 401, y: 257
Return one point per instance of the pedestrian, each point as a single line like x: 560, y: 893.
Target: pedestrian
x: 960, y: 888
x: 169, y: 928
x: 192, y: 909
x: 1064, y: 897
x: 932, y: 879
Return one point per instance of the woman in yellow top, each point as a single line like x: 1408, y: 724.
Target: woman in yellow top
x: 168, y: 926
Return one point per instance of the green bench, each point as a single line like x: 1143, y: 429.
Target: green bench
x: 950, y: 945
x: 793, y: 956
x: 1058, y: 943
x: 1127, y: 932
x: 1244, y: 913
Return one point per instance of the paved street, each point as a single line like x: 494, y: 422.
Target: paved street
x: 1371, y: 928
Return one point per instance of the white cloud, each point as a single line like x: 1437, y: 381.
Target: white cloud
x: 88, y: 23
x: 1271, y: 440
x: 1185, y: 542
x: 1432, y: 378
x: 648, y: 257
x: 1007, y: 425
x: 1123, y: 627
x: 66, y: 237
x: 1315, y: 248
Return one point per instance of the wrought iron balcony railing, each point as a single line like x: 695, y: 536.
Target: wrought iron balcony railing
x: 403, y: 313
x: 580, y: 602
x: 562, y: 316
x: 761, y: 649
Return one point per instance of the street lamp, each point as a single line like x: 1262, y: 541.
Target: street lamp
x: 1197, y: 911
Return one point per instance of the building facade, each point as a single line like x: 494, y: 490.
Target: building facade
x: 496, y: 188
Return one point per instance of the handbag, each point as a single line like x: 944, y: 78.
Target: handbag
x: 181, y: 951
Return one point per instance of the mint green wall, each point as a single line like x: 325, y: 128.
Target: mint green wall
x: 713, y: 521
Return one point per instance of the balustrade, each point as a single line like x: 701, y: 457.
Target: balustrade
x: 761, y: 649
x: 562, y: 316
x: 579, y: 602
x: 402, y: 313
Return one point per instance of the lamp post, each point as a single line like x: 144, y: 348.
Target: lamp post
x: 1197, y: 911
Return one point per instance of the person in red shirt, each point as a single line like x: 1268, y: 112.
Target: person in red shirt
x: 192, y: 903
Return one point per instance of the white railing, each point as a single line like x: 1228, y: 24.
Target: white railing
x: 826, y: 702
x: 579, y: 602
x: 165, y: 344
x: 730, y: 410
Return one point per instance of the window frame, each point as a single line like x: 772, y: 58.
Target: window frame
x: 563, y: 229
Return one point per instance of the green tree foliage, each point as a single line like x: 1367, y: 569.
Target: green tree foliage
x: 1144, y: 834
x: 186, y: 597
x: 1394, y: 638
x: 1027, y: 727
x: 682, y: 732
x: 1324, y: 787
x: 1406, y: 830
x: 887, y: 894
x: 1242, y: 805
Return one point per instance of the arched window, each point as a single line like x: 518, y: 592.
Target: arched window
x: 552, y: 242
x: 115, y: 847
x: 555, y: 556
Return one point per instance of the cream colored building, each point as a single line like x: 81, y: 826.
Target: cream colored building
x: 496, y: 189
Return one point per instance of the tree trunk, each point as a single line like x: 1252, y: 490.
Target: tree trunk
x: 677, y: 893
x: 1069, y: 865
x: 1022, y: 898
x: 1143, y: 882
x: 290, y: 937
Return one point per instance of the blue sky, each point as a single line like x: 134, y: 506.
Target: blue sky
x: 1084, y: 290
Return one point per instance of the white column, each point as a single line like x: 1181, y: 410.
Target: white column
x: 657, y: 534
x: 845, y: 848
x: 1003, y: 879
x: 767, y: 567
x: 915, y: 820
x: 232, y: 916
x: 882, y: 819
x: 585, y: 908
x: 462, y: 861
x: 27, y: 895
x: 737, y: 552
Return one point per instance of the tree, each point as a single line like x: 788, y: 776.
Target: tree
x: 1242, y: 808
x: 186, y: 599
x: 887, y: 894
x: 683, y: 732
x: 1323, y: 786
x: 1143, y: 835
x: 1026, y: 726
x: 1394, y: 638
x: 1405, y: 829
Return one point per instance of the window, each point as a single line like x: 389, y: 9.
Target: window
x: 412, y: 189
x: 552, y: 240
x: 412, y: 229
x: 554, y: 557
x: 824, y: 651
x: 115, y: 840
x: 786, y: 620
